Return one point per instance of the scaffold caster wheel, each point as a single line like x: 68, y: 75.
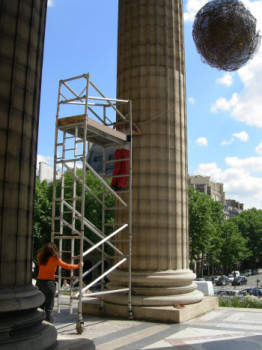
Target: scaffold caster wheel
x: 79, y: 327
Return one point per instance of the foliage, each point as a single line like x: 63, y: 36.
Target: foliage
x: 205, y: 217
x: 246, y: 302
x: 249, y: 223
x: 234, y: 245
x: 42, y: 215
x: 93, y: 208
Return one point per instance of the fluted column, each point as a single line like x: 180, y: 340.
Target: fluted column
x: 151, y: 72
x: 22, y: 27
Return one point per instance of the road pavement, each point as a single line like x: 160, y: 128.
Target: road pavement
x: 252, y: 282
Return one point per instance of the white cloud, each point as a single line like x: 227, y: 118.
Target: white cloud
x: 202, y: 141
x: 246, y: 105
x: 242, y: 136
x: 227, y: 79
x: 191, y: 100
x: 226, y: 143
x: 240, y: 178
x: 192, y: 7
x: 50, y: 3
x: 225, y: 105
x: 258, y: 149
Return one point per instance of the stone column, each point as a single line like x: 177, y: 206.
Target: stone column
x: 151, y: 72
x: 22, y: 27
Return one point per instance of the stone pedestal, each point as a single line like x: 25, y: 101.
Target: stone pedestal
x: 151, y: 72
x: 166, y: 314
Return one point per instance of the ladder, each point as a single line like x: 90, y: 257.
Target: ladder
x: 77, y: 235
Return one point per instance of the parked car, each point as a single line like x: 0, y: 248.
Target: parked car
x: 253, y: 291
x: 222, y: 281
x: 229, y: 294
x: 230, y: 278
x: 239, y: 281
x: 247, y: 272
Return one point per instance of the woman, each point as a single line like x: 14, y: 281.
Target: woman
x: 48, y: 259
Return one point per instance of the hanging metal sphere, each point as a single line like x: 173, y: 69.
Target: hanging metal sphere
x: 225, y: 35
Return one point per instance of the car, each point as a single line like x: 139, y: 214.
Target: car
x: 222, y: 281
x: 252, y: 291
x: 229, y: 294
x: 239, y: 281
x: 247, y: 272
x: 230, y: 278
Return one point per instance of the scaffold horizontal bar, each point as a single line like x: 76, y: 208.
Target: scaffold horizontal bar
x: 113, y: 291
x: 59, y: 236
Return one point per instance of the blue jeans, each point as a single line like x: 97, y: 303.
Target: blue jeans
x: 48, y: 288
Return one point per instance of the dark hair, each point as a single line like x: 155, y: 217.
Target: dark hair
x: 49, y: 249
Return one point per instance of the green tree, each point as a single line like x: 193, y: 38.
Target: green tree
x: 234, y: 245
x: 42, y: 215
x: 249, y: 223
x: 93, y: 208
x: 205, y: 217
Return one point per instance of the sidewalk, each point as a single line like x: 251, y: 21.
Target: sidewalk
x: 221, y: 329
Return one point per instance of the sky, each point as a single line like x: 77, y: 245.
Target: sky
x: 224, y: 109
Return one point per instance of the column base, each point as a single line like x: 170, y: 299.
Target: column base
x: 21, y: 325
x: 155, y: 288
x: 174, y: 314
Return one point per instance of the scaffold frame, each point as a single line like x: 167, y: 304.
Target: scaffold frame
x: 71, y: 228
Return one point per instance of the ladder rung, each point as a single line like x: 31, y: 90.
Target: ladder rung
x: 69, y: 149
x: 70, y: 160
x: 68, y: 199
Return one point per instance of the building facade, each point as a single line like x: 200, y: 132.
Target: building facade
x: 216, y: 191
x: 213, y: 189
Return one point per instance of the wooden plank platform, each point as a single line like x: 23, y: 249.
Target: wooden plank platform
x: 97, y: 133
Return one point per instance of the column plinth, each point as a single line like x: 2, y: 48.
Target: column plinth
x: 162, y: 288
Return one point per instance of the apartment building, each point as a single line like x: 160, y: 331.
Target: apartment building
x: 213, y: 189
x: 216, y: 191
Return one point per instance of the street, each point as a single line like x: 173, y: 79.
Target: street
x: 251, y: 283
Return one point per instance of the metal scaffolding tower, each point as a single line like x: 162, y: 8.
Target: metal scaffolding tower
x: 74, y: 229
